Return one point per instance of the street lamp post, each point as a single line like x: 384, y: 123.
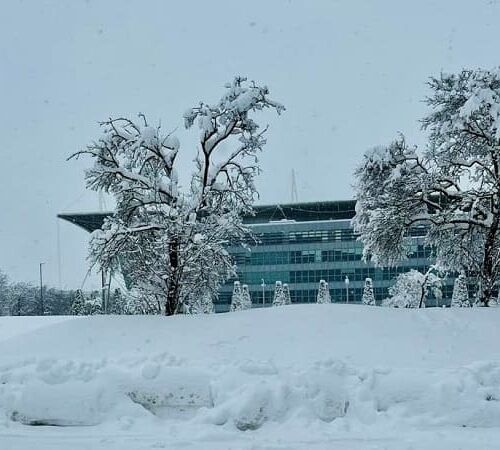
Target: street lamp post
x: 263, y: 293
x: 346, y: 281
x: 41, y: 290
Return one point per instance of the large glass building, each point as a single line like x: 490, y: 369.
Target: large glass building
x: 301, y: 244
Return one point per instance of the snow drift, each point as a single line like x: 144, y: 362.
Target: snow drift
x: 307, y: 365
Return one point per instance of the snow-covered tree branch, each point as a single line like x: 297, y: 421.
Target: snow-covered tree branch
x: 171, y: 241
x: 452, y: 188
x: 412, y: 288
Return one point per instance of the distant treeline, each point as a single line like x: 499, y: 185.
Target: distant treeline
x: 24, y: 299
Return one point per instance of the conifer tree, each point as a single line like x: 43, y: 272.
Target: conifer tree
x: 246, y: 299
x: 460, y: 296
x: 323, y: 293
x: 368, y: 296
x: 117, y: 302
x: 78, y: 305
x: 237, y: 298
x: 328, y: 297
x: 93, y: 304
x: 286, y: 295
x: 279, y: 298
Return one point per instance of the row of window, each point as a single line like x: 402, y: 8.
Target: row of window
x: 269, y: 277
x: 296, y: 237
x: 329, y: 275
x: 346, y: 234
x: 312, y: 256
x: 336, y: 275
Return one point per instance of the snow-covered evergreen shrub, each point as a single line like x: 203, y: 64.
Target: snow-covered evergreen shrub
x: 93, y: 304
x: 368, y: 296
x: 78, y: 305
x: 116, y: 302
x: 460, y: 296
x: 323, y: 293
x: 86, y: 304
x: 279, y: 295
x: 246, y: 298
x: 286, y: 295
x: 328, y: 297
x: 237, y: 298
x: 406, y: 292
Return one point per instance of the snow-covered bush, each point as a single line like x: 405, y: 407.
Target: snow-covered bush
x: 246, y: 298
x: 406, y: 291
x: 78, y: 305
x: 22, y: 299
x: 460, y: 296
x: 4, y: 288
x: 172, y: 241
x: 137, y: 303
x: 116, y: 302
x: 240, y: 299
x: 368, y: 295
x: 200, y: 303
x: 323, y: 293
x: 286, y: 295
x: 411, y: 289
x: 93, y: 304
x: 279, y: 294
x: 86, y: 304
x: 133, y: 302
x: 237, y: 297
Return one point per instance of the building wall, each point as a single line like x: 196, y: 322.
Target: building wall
x: 300, y: 244
x: 303, y: 253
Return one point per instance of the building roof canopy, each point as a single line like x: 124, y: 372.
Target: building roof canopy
x: 299, y: 212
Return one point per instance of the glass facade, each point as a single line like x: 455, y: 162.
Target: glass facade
x: 302, y: 244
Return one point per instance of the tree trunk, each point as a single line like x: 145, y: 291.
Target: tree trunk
x: 487, y: 277
x: 422, y: 296
x: 172, y: 302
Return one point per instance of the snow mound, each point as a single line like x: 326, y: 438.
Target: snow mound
x: 328, y: 365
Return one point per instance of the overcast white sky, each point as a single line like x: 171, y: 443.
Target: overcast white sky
x: 351, y: 74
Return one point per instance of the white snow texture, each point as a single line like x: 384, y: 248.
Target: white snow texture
x: 233, y: 381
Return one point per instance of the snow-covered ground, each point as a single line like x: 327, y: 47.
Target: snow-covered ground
x: 295, y: 377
